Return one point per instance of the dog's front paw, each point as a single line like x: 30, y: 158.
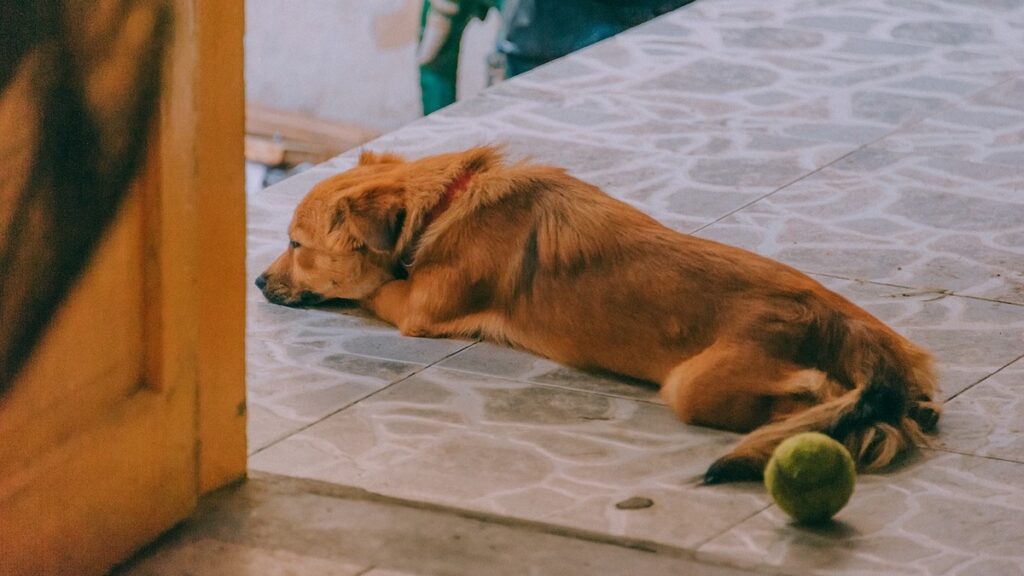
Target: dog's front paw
x: 416, y: 330
x: 734, y: 469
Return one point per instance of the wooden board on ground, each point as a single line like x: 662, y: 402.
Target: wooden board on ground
x: 278, y: 137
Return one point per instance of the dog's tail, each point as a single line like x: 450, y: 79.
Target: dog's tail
x: 883, y: 408
x: 891, y: 406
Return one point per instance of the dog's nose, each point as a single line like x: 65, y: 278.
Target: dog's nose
x: 261, y: 281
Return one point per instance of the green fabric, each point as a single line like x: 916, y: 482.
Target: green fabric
x: 438, y: 77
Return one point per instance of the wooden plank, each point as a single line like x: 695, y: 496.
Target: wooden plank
x: 264, y: 151
x: 276, y: 124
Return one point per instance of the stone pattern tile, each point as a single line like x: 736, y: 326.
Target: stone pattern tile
x: 524, y: 451
x: 947, y: 514
x: 912, y: 220
x: 494, y: 360
x: 305, y: 364
x: 344, y: 329
x: 289, y: 387
x: 988, y: 419
x: 267, y: 219
x: 988, y: 128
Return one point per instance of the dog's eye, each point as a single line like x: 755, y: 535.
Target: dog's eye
x: 294, y: 244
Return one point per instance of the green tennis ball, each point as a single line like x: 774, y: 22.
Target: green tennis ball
x: 811, y: 477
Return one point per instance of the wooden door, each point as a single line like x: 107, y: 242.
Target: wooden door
x: 131, y: 404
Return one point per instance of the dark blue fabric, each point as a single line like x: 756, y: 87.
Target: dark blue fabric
x: 538, y: 31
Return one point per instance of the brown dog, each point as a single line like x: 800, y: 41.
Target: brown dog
x: 465, y: 245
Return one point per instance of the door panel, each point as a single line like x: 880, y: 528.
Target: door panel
x: 89, y: 359
x: 94, y: 461
x: 131, y: 404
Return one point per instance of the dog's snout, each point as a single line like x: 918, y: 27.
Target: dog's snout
x: 261, y: 281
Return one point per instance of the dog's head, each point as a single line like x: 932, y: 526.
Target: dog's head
x: 342, y: 237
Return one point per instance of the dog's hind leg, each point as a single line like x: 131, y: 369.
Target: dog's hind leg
x: 739, y: 388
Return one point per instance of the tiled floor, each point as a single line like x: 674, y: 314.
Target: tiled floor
x: 877, y: 144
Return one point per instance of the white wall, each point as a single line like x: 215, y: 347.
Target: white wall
x: 347, y: 60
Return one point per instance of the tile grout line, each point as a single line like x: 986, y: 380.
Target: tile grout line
x: 802, y: 178
x: 968, y: 454
x: 696, y: 549
x: 902, y: 127
x: 998, y: 370
x: 356, y: 354
x: 942, y: 292
x: 779, y: 189
x: 364, y: 397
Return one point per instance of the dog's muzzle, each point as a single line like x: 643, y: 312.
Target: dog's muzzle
x: 305, y: 298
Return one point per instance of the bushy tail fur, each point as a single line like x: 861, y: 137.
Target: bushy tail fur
x: 883, y: 423
x: 893, y: 385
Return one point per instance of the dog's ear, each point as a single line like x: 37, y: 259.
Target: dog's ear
x: 372, y: 221
x: 367, y: 157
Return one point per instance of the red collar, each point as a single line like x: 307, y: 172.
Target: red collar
x: 451, y: 193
